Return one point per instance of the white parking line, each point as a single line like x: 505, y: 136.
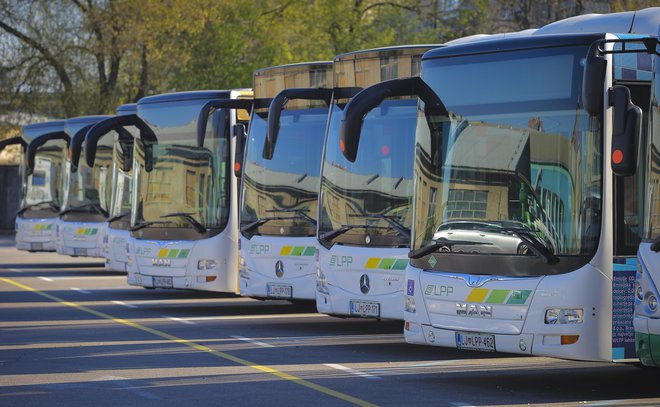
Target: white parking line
x: 460, y: 404
x: 183, y: 321
x: 252, y: 341
x: 122, y: 303
x: 351, y: 371
x: 239, y: 317
x: 80, y: 290
x: 16, y: 270
x: 46, y: 279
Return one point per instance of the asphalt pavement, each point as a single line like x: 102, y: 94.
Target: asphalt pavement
x: 73, y: 334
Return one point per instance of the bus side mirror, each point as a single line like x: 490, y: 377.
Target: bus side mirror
x: 239, y: 151
x: 593, y: 79
x: 626, y: 132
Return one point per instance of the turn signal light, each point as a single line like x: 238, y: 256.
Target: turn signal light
x: 569, y: 339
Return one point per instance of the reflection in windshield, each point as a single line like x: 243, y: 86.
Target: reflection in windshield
x: 518, y: 169
x: 40, y: 192
x: 88, y: 190
x: 373, y: 194
x: 120, y: 205
x: 280, y: 194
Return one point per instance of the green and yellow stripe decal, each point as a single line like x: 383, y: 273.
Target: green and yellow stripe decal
x: 386, y: 263
x: 305, y: 251
x: 173, y: 253
x: 87, y: 231
x: 487, y: 296
x: 43, y: 226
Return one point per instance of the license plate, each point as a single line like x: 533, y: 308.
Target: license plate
x: 483, y: 342
x: 279, y: 290
x: 79, y: 251
x: 365, y: 308
x: 36, y: 246
x: 163, y: 282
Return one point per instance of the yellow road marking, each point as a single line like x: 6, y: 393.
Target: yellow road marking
x: 201, y: 348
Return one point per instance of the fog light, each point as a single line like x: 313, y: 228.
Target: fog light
x: 410, y: 304
x: 652, y: 302
x: 564, y: 316
x: 206, y: 264
x: 243, y: 271
x: 639, y: 292
x: 321, y: 282
x: 569, y: 339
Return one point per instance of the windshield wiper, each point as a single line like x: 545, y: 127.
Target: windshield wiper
x: 188, y: 218
x: 94, y: 205
x: 394, y: 223
x: 345, y: 228
x: 534, y: 244
x: 143, y: 225
x: 655, y: 246
x: 249, y: 226
x: 440, y: 243
x: 52, y: 205
x: 117, y: 217
x: 300, y: 212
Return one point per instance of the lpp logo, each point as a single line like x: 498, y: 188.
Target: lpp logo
x: 340, y: 261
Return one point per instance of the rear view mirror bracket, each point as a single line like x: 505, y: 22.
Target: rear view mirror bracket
x: 211, y: 106
x: 40, y: 141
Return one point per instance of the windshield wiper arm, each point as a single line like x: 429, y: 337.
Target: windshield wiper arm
x: 395, y: 224
x: 145, y: 224
x: 188, y: 218
x: 52, y: 205
x: 345, y: 228
x: 300, y: 212
x: 117, y: 217
x: 440, y: 243
x: 249, y: 226
x: 94, y: 205
x: 534, y: 244
x: 655, y: 246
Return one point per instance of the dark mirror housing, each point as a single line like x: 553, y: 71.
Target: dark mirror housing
x: 126, y: 142
x: 357, y: 108
x: 116, y: 123
x: 75, y: 146
x: 593, y: 78
x: 11, y: 141
x: 211, y: 106
x: 626, y: 131
x: 40, y: 141
x: 239, y: 152
x: 275, y: 111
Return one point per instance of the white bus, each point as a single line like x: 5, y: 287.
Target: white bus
x: 523, y: 238
x: 364, y: 214
x: 277, y: 245
x: 647, y: 315
x: 118, y: 130
x: 85, y: 194
x: 40, y: 172
x: 184, y: 214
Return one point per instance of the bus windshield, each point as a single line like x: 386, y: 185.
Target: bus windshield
x: 40, y: 192
x: 516, y: 163
x: 187, y: 186
x: 86, y: 192
x: 120, y: 205
x: 367, y: 203
x: 280, y: 194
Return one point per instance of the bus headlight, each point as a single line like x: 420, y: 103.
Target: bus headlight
x: 321, y: 282
x: 206, y: 264
x: 652, y: 302
x: 639, y: 292
x: 410, y: 304
x: 243, y: 271
x: 564, y: 316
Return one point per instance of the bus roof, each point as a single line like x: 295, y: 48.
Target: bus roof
x: 32, y: 131
x: 389, y: 51
x: 183, y: 96
x: 128, y: 108
x: 300, y: 66
x: 643, y: 21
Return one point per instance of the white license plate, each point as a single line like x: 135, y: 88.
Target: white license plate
x: 279, y: 290
x: 79, y: 251
x: 365, y: 308
x: 483, y: 342
x: 162, y: 282
x: 36, y: 246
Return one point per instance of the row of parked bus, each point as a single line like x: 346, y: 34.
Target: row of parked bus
x: 497, y: 192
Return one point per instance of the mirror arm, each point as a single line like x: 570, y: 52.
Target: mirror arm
x: 211, y: 106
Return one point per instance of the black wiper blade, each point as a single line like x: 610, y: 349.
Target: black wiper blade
x: 440, y: 243
x: 345, y: 228
x: 395, y: 224
x: 655, y: 246
x: 143, y: 225
x: 300, y: 212
x: 533, y: 243
x: 117, y: 217
x: 94, y: 205
x: 249, y: 226
x: 52, y: 205
x: 188, y: 218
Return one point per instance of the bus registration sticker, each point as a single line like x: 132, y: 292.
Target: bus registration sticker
x: 482, y: 342
x: 279, y: 290
x: 365, y: 308
x: 162, y: 282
